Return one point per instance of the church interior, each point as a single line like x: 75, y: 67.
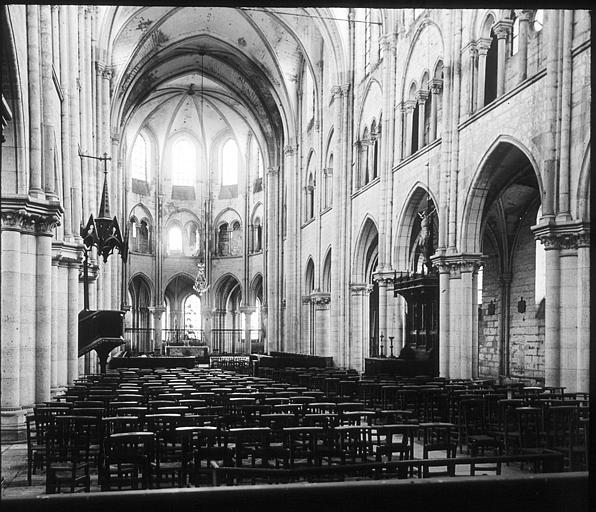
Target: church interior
x: 245, y: 246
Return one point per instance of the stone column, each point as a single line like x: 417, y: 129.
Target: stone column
x: 62, y: 331
x: 47, y: 102
x: 409, y: 108
x: 74, y: 120
x: 552, y: 344
x: 399, y: 130
x: 359, y: 347
x: 320, y: 302
x: 421, y: 97
x: 28, y: 312
x: 505, y: 280
x: 502, y: 28
x: 583, y: 311
x: 54, y: 331
x: 65, y: 81
x: 273, y: 299
x: 247, y: 311
x: 522, y: 54
x: 472, y: 51
x: 435, y: 85
x: 43, y: 313
x: 157, y: 312
x: 34, y: 83
x: 10, y: 305
x: 482, y: 47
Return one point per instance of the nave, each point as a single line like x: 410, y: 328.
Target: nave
x: 201, y: 427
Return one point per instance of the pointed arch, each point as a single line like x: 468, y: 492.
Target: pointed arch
x: 405, y: 223
x: 583, y: 188
x: 491, y: 172
x: 326, y: 273
x: 365, y: 248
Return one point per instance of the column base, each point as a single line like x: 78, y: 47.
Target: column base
x: 13, y: 428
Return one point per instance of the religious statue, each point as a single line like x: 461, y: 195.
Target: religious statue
x: 425, y: 237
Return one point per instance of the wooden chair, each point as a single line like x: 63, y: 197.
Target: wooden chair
x: 129, y: 458
x: 36, y: 443
x: 67, y: 454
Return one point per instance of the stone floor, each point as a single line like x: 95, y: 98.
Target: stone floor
x: 14, y: 471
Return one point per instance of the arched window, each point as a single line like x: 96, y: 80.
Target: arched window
x: 514, y: 34
x: 223, y: 240
x: 310, y: 198
x: 229, y: 163
x: 139, y: 161
x: 257, y: 235
x: 415, y: 122
x: 184, y: 162
x: 490, y: 83
x: 175, y: 238
x: 236, y: 239
x: 192, y: 316
x: 427, y: 118
x: 134, y: 234
x: 538, y: 20
x: 192, y: 235
x: 143, y: 237
x: 329, y: 182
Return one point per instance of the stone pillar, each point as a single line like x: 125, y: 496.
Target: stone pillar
x: 157, y: 312
x: 359, y: 347
x: 54, y: 330
x: 552, y: 345
x: 472, y: 52
x: 273, y: 246
x: 305, y: 345
x: 48, y: 134
x: 482, y: 47
x: 320, y: 301
x: 522, y: 54
x: 65, y: 81
x: 458, y: 334
x: 74, y: 120
x: 247, y: 311
x: 62, y: 331
x: 583, y: 311
x: 435, y: 86
x: 502, y: 29
x: 28, y: 312
x: 10, y: 305
x: 409, y: 108
x: 421, y: 97
x: 43, y: 310
x: 399, y: 130
x: 292, y: 290
x: 505, y: 331
x: 34, y: 83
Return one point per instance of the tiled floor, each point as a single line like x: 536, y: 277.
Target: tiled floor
x: 14, y: 471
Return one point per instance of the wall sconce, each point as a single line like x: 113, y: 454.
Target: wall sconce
x: 490, y: 310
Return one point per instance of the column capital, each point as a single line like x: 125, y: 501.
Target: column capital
x: 335, y: 91
x: 383, y: 277
x: 320, y: 299
x: 361, y: 288
x: 482, y: 45
x: 561, y: 236
x: 435, y: 85
x: 456, y: 264
x: 247, y: 310
x: 502, y: 28
x: 471, y: 47
x: 422, y: 96
x: 289, y: 149
x: 273, y: 171
x: 345, y: 88
x: 157, y: 311
x: 524, y: 14
x: 39, y: 218
x: 305, y: 299
x: 409, y: 105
